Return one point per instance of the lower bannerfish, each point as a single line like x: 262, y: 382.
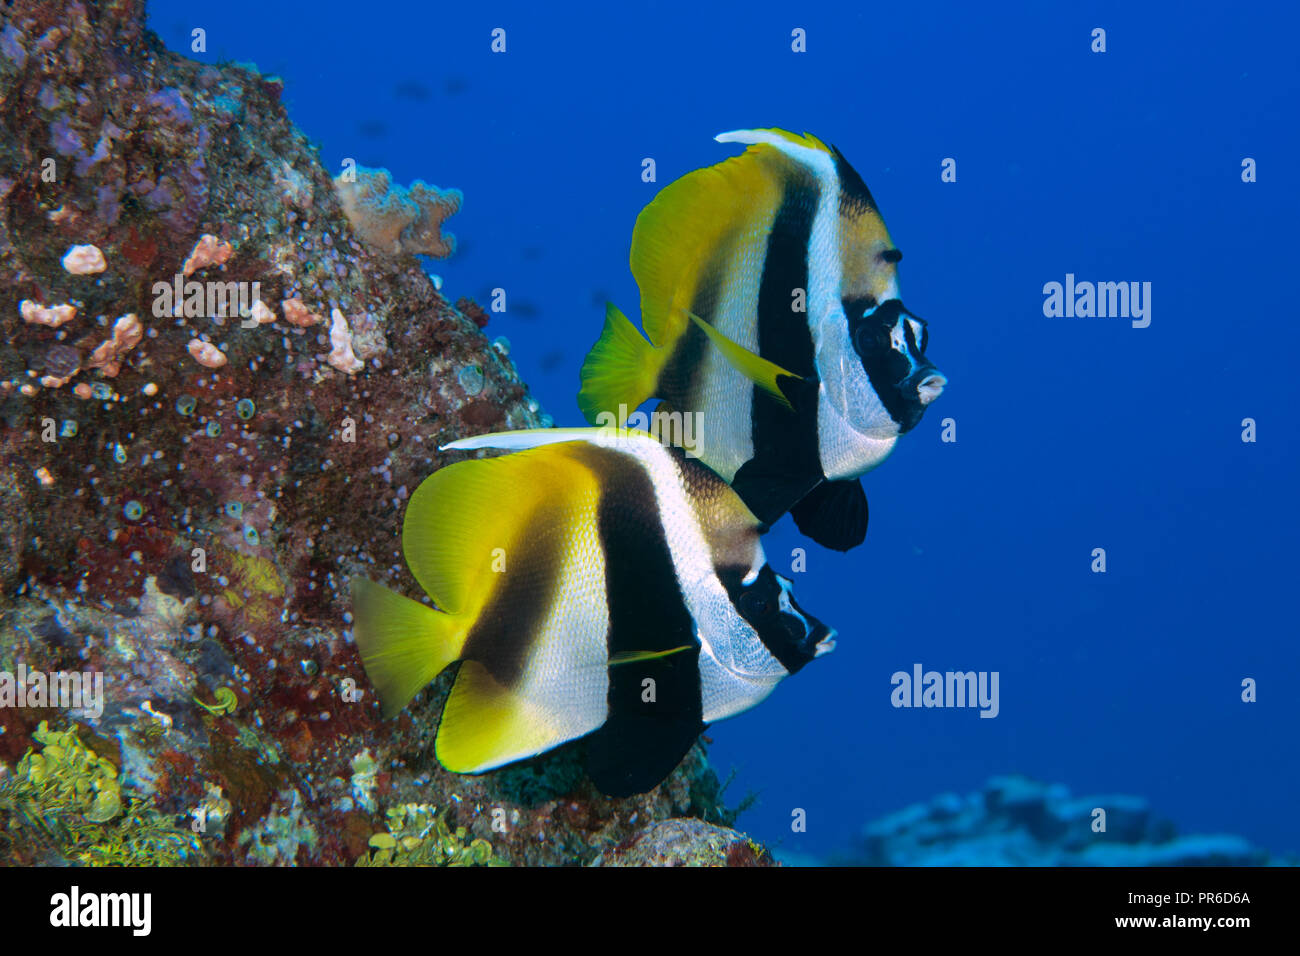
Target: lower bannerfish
x: 593, y: 583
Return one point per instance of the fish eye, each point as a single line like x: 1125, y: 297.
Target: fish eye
x: 872, y: 338
x: 892, y: 255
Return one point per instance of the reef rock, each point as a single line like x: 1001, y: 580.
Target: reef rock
x: 686, y: 842
x: 183, y: 518
x: 1015, y: 821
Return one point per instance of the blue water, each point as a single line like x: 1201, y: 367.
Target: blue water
x: 1072, y: 433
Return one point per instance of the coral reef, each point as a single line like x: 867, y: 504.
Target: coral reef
x: 194, y: 463
x: 1015, y: 821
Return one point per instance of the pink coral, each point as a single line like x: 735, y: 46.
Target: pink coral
x: 53, y: 316
x: 109, y: 355
x: 295, y: 313
x: 208, y: 251
x: 261, y: 313
x: 84, y: 260
x: 206, y: 354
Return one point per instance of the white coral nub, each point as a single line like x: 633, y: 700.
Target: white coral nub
x: 206, y: 354
x: 341, y: 356
x: 84, y: 260
x: 261, y: 313
x: 53, y: 316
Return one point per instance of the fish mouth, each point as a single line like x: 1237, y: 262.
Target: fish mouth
x: 931, y: 387
x: 826, y: 644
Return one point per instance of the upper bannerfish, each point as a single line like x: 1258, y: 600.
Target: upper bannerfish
x: 769, y: 294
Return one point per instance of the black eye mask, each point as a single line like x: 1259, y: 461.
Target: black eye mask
x: 891, y: 372
x: 785, y: 636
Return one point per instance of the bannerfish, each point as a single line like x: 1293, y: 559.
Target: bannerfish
x: 595, y: 582
x: 769, y: 294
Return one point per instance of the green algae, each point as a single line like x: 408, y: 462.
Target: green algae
x: 65, y: 802
x: 419, y: 835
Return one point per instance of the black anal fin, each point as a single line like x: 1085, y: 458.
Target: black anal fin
x: 834, y: 514
x: 768, y: 490
x: 651, y: 726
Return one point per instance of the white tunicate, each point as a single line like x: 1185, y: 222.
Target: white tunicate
x: 501, y: 344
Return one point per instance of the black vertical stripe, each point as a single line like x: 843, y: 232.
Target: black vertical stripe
x: 680, y: 381
x: 640, y: 743
x: 510, y: 622
x: 786, y: 462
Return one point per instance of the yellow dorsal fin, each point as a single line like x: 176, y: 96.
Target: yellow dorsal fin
x: 682, y: 233
x: 754, y: 367
x: 465, y: 519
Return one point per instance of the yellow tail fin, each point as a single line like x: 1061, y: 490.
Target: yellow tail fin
x: 404, y: 644
x: 621, y: 369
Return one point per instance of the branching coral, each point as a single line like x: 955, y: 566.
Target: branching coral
x: 394, y: 220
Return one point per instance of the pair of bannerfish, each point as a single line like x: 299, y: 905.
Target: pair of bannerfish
x: 600, y: 583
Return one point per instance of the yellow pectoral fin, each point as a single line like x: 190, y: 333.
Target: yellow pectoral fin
x: 754, y: 367
x: 630, y: 657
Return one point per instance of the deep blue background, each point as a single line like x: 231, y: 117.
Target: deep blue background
x: 1072, y: 433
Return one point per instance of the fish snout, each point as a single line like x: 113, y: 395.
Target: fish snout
x: 931, y: 386
x: 827, y: 642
